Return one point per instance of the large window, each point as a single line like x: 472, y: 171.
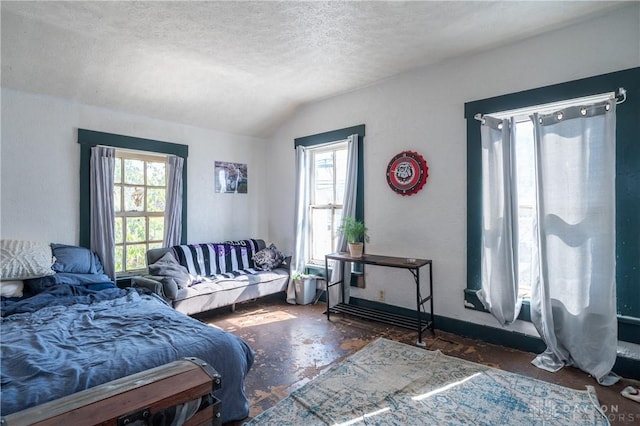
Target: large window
x: 327, y: 193
x: 326, y: 166
x: 627, y: 169
x: 139, y: 200
x: 137, y: 193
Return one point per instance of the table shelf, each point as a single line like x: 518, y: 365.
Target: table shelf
x: 381, y: 316
x: 418, y: 323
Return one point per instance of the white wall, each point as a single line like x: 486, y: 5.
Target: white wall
x: 423, y: 111
x: 40, y: 161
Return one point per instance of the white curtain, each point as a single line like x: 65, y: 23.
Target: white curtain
x: 102, y: 167
x: 348, y: 209
x: 573, y: 304
x: 301, y: 218
x: 173, y: 205
x: 499, y: 292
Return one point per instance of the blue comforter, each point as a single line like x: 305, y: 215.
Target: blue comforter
x: 67, y: 339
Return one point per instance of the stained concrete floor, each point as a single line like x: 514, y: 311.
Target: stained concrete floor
x: 294, y: 344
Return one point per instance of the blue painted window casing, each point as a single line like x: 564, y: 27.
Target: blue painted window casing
x: 89, y: 138
x: 337, y: 135
x: 627, y: 187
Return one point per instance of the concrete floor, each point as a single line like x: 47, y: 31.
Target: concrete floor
x: 294, y: 343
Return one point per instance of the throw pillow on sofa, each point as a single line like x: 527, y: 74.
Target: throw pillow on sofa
x: 168, y: 266
x: 268, y: 258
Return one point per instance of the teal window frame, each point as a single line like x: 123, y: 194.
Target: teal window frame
x: 333, y: 136
x: 627, y: 188
x: 90, y: 138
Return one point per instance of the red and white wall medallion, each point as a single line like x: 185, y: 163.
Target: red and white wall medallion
x: 407, y: 173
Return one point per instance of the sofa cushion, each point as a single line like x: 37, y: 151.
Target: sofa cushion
x: 207, y: 260
x: 225, y: 283
x: 268, y: 258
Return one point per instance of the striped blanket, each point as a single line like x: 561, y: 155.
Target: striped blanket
x: 219, y: 260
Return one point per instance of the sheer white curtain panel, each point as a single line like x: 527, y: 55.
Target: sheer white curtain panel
x: 173, y: 206
x: 348, y: 209
x: 499, y: 260
x: 573, y: 303
x: 301, y: 218
x: 102, y: 167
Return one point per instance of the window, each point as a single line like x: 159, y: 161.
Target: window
x: 158, y: 150
x: 526, y: 199
x: 326, y: 195
x: 140, y: 184
x: 627, y: 169
x: 525, y: 192
x: 324, y: 184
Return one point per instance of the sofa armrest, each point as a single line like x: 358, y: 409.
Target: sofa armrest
x: 165, y: 287
x: 286, y: 264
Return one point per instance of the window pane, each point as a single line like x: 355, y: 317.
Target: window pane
x: 155, y: 199
x: 118, y: 230
x: 136, y: 229
x: 117, y: 198
x: 136, y: 256
x: 341, y: 174
x: 323, y: 178
x: 337, y: 222
x: 156, y: 174
x: 321, y: 231
x: 155, y: 245
x: 156, y: 228
x: 117, y: 173
x: 134, y: 171
x: 133, y: 198
x: 119, y: 263
x: 526, y: 203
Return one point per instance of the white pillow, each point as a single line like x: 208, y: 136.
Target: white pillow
x: 20, y: 260
x: 11, y: 288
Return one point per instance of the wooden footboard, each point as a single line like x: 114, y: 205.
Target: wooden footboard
x: 144, y: 398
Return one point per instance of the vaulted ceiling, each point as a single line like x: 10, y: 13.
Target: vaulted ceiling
x: 244, y: 67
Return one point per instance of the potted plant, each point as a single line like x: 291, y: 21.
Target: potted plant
x: 356, y: 234
x: 305, y: 287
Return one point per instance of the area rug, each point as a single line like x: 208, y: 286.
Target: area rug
x: 391, y: 383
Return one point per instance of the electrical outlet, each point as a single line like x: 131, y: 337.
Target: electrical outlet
x: 381, y: 296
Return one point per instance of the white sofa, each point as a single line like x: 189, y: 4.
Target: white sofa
x: 196, y: 278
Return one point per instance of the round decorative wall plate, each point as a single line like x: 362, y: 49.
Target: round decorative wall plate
x: 407, y: 173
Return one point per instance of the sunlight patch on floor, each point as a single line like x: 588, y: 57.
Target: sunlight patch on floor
x: 362, y: 418
x: 259, y: 318
x: 444, y: 388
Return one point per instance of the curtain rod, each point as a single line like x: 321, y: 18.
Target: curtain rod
x: 621, y: 97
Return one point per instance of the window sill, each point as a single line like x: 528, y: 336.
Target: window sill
x: 471, y: 301
x: 628, y: 327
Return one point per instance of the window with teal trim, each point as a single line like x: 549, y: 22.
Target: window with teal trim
x: 627, y: 188
x: 327, y: 162
x: 88, y: 139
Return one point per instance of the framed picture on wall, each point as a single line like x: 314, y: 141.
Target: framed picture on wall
x: 231, y: 178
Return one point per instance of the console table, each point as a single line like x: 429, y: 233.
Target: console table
x: 412, y: 265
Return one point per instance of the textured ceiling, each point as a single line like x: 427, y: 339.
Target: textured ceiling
x: 244, y: 67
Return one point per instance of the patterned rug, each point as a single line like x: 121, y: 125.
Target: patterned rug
x: 391, y: 383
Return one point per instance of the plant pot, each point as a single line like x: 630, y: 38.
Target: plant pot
x: 305, y: 290
x: 355, y: 249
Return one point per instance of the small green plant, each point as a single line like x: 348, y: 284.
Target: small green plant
x: 354, y: 230
x: 298, y: 276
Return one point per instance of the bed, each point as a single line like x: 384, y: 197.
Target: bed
x: 72, y: 331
